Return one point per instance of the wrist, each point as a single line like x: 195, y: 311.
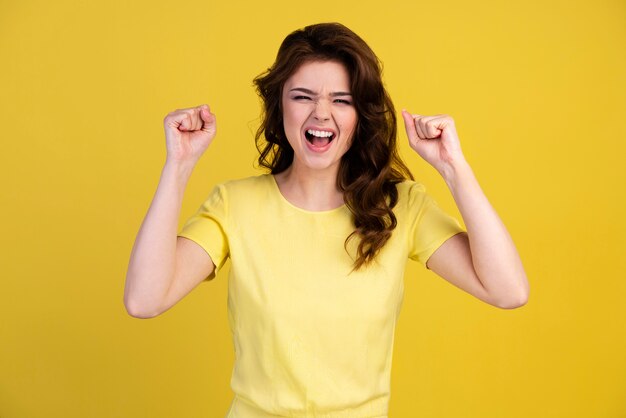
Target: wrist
x: 178, y: 169
x: 455, y: 171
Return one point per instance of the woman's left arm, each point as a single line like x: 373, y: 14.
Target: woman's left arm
x: 483, y: 262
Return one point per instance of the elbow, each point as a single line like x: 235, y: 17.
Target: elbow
x: 136, y: 310
x: 515, y: 295
x: 512, y: 304
x: 140, y: 302
x: 513, y: 301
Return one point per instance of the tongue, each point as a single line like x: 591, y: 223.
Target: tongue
x: 319, y: 142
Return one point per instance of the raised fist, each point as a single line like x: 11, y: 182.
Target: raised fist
x: 188, y: 133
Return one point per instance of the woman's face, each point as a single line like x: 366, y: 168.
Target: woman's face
x: 319, y: 116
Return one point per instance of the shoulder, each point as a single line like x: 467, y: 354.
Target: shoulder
x: 407, y: 187
x: 230, y: 195
x: 246, y: 189
x: 410, y: 191
x: 413, y: 200
x: 245, y: 185
x: 245, y: 182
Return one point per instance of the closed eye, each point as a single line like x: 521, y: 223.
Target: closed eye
x: 343, y: 101
x: 302, y: 97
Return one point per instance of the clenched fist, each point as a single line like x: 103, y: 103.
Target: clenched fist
x: 434, y: 138
x: 188, y: 133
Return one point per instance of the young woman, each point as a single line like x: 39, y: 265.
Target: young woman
x: 319, y: 245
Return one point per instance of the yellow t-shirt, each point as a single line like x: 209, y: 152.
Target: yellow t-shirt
x: 311, y: 339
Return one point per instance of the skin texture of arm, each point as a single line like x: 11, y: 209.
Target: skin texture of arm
x: 484, y: 261
x: 163, y: 268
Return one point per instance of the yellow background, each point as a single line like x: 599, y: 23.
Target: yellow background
x: 538, y: 93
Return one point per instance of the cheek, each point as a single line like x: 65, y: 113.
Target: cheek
x: 352, y: 130
x: 292, y: 116
x: 349, y: 124
x: 292, y: 124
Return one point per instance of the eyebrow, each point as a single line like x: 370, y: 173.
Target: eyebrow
x: 334, y: 94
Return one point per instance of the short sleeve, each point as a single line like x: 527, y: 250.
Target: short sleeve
x: 208, y: 226
x: 430, y: 225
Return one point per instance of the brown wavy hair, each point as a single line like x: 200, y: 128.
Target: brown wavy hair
x: 371, y: 168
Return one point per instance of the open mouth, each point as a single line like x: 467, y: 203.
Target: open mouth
x: 319, y: 138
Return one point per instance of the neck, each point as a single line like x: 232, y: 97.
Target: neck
x: 314, y: 190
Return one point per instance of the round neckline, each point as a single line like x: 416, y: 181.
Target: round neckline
x: 288, y: 203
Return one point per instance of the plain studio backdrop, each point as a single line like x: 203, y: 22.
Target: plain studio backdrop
x: 538, y: 93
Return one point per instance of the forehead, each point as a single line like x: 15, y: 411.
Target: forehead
x: 319, y: 75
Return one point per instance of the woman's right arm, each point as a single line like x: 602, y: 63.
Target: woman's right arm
x: 163, y: 268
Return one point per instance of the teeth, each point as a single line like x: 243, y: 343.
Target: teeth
x: 321, y: 134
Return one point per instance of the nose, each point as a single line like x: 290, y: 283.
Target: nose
x: 322, y: 110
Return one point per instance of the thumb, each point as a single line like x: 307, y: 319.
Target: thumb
x: 206, y: 115
x: 409, y: 125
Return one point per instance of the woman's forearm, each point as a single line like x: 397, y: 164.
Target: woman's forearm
x: 153, y: 257
x: 494, y: 256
